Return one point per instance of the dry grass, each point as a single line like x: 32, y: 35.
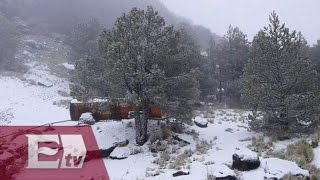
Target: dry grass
x: 259, y: 145
x: 292, y: 177
x: 62, y: 103
x: 278, y: 154
x: 163, y: 160
x: 194, y: 134
x: 63, y: 93
x: 179, y: 162
x: 164, y: 133
x: 137, y: 150
x: 203, y: 147
x: 301, y: 153
x: 177, y: 127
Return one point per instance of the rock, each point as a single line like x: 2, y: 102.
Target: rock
x: 221, y: 172
x: 123, y: 143
x: 87, y: 118
x: 175, y: 137
x: 245, y: 160
x: 152, y: 173
x: 180, y: 173
x: 68, y: 66
x: 226, y: 178
x: 117, y: 158
x: 314, y: 143
x: 277, y: 168
x: 107, y: 152
x: 200, y: 122
x: 45, y: 85
x: 101, y: 153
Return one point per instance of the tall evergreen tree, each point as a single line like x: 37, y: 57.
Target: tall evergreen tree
x: 231, y: 56
x: 152, y: 64
x: 279, y: 79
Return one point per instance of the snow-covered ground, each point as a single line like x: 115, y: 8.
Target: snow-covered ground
x: 39, y: 97
x: 226, y: 135
x: 35, y: 98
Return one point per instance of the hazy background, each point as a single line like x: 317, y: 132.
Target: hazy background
x: 250, y: 15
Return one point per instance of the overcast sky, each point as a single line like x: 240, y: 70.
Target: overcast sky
x: 250, y: 15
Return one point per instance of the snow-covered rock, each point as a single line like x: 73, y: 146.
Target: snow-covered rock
x: 277, y: 168
x: 221, y: 171
x: 68, y: 66
x: 245, y: 160
x: 246, y: 154
x: 201, y: 122
x: 121, y: 152
x: 86, y: 117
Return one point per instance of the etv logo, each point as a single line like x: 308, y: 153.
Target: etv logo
x: 74, y: 151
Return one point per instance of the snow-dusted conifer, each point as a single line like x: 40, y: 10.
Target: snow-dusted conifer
x: 151, y: 64
x: 279, y: 79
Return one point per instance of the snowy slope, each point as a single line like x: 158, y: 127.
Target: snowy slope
x: 33, y: 98
x: 29, y: 104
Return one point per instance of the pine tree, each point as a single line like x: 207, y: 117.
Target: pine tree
x: 232, y: 55
x: 279, y: 80
x: 152, y: 64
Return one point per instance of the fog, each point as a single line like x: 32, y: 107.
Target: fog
x: 250, y: 15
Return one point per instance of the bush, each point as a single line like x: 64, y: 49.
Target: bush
x: 8, y: 43
x: 301, y: 153
x: 203, y: 147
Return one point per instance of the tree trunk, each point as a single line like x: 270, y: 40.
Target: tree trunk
x: 220, y: 92
x: 141, y: 121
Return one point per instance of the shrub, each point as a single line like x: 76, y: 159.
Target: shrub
x: 259, y: 145
x: 314, y: 172
x: 292, y: 177
x: 162, y: 161
x: 301, y: 153
x: 179, y: 162
x: 203, y: 147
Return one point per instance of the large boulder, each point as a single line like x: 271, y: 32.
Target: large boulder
x: 200, y: 122
x: 245, y: 160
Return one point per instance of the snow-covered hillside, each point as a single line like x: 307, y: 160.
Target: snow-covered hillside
x: 39, y: 96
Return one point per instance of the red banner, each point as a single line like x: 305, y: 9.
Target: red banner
x: 50, y: 152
